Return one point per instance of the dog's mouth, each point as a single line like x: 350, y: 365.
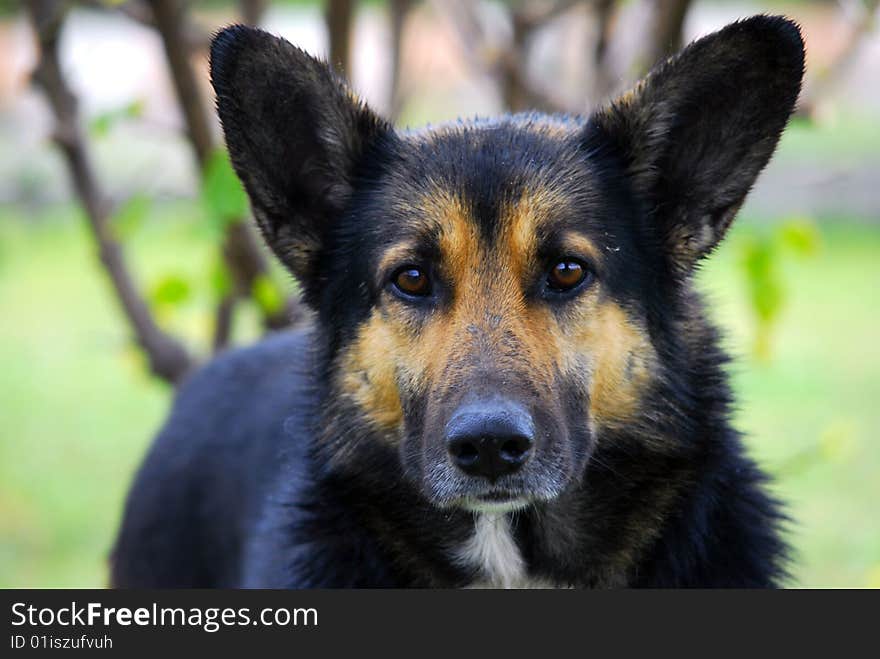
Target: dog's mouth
x: 495, y: 501
x: 542, y: 480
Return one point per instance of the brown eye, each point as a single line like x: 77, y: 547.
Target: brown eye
x: 412, y: 281
x: 565, y: 275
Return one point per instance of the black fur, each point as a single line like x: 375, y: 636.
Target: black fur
x: 267, y: 475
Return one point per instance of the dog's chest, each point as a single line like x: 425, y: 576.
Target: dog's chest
x: 493, y: 553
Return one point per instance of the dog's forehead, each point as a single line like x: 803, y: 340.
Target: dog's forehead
x: 492, y: 174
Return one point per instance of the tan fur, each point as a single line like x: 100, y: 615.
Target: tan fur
x: 579, y: 245
x: 369, y: 376
x: 490, y: 327
x: 621, y: 356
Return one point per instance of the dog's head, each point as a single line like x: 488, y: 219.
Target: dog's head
x: 495, y: 293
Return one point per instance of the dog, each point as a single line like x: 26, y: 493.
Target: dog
x: 509, y: 379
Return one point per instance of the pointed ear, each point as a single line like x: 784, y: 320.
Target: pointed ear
x: 296, y: 135
x: 696, y: 132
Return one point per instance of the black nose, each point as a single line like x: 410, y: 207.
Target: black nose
x: 490, y: 438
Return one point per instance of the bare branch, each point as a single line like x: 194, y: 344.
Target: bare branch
x: 462, y: 18
x: 399, y: 10
x: 196, y: 38
x: 863, y: 18
x: 506, y: 65
x: 666, y: 30
x: 240, y: 248
x: 170, y: 16
x: 223, y: 322
x: 167, y: 357
x: 604, y: 79
x: 514, y: 86
x: 252, y: 11
x: 536, y: 14
x: 339, y: 15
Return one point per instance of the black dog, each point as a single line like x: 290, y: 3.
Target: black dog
x: 510, y: 380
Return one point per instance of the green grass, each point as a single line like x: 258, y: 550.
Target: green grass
x: 811, y: 413
x: 77, y: 410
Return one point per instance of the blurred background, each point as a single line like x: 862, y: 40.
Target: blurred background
x: 127, y: 256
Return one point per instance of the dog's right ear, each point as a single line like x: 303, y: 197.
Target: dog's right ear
x: 296, y: 135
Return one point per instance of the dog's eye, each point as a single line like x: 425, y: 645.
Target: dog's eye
x: 566, y: 275
x: 412, y: 281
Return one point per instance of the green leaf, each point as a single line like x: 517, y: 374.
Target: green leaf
x: 764, y: 283
x: 129, y: 217
x: 102, y: 123
x: 135, y: 109
x: 765, y: 289
x: 223, y: 197
x: 221, y: 279
x: 800, y: 236
x: 170, y: 290
x: 267, y: 295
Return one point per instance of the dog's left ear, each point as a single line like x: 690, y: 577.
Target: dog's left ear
x: 696, y: 132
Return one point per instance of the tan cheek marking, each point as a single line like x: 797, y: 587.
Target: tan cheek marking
x: 369, y: 375
x: 622, y: 360
x: 539, y: 334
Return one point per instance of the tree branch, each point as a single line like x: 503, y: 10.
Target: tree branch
x: 399, y: 10
x: 666, y: 31
x: 167, y: 357
x: 339, y: 16
x: 170, y: 16
x: 240, y: 248
x: 505, y: 65
x: 252, y: 11
x: 863, y: 20
x: 604, y: 79
x: 196, y: 38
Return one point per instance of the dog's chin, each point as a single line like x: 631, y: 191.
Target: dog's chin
x: 445, y: 488
x: 492, y: 506
x: 493, y: 502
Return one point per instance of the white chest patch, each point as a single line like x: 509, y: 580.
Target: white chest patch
x: 492, y: 551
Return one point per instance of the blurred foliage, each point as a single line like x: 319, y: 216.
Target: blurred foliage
x: 267, y: 295
x: 220, y: 278
x: 102, y: 123
x: 223, y: 197
x: 837, y: 444
x: 130, y: 216
x: 170, y: 291
x: 762, y: 256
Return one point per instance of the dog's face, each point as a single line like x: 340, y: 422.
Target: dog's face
x: 500, y: 321
x: 492, y: 292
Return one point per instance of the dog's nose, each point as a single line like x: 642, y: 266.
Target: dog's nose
x: 490, y: 438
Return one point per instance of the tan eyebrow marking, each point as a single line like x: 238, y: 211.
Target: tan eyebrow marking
x: 580, y: 244
x: 397, y: 254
